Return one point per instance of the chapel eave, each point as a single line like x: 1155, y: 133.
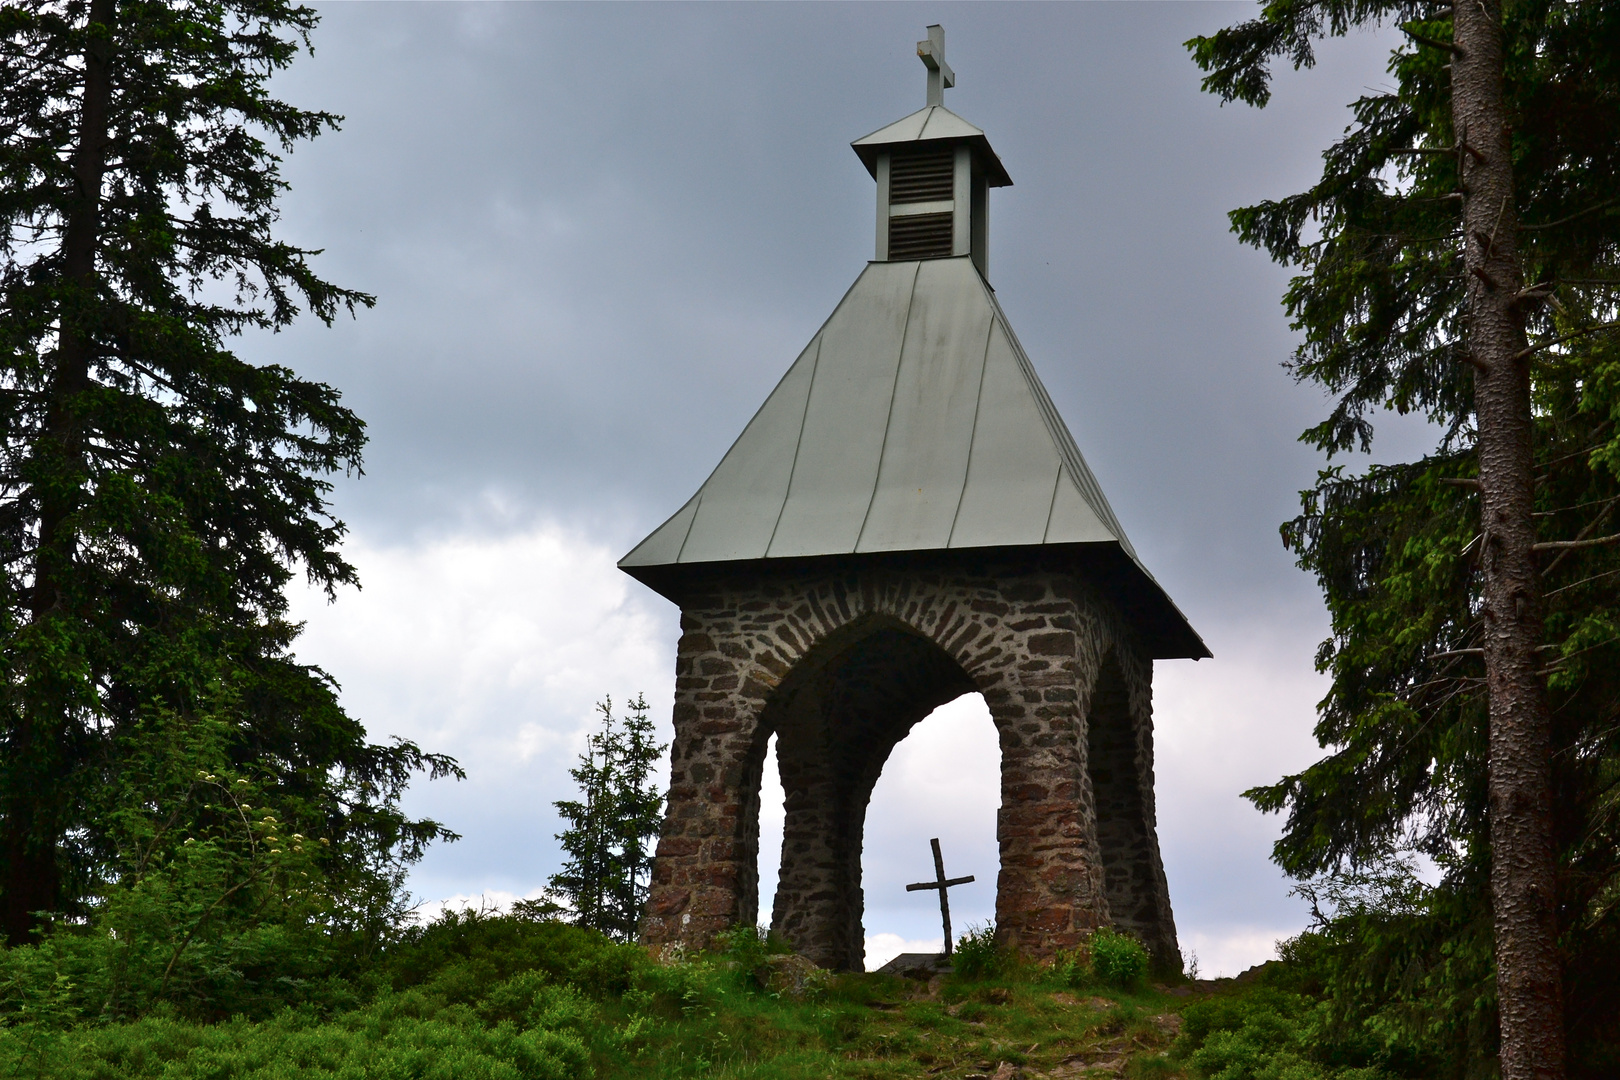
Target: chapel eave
x: 1164, y: 631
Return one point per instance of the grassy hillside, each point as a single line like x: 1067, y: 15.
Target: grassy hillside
x: 505, y: 998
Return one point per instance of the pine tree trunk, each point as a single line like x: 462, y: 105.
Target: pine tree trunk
x: 32, y: 877
x: 1523, y: 887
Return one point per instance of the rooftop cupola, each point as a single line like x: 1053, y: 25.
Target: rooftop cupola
x: 934, y: 171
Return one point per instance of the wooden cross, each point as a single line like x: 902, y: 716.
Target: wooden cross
x: 940, y: 882
x: 940, y: 76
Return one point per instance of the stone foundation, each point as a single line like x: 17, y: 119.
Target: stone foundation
x: 839, y: 664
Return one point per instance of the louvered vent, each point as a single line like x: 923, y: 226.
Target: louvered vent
x: 922, y: 176
x: 920, y: 236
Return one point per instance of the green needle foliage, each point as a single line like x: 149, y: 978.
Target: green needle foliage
x: 1380, y: 302
x: 612, y: 825
x: 157, y: 495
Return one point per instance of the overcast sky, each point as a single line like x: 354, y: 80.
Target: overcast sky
x: 598, y: 236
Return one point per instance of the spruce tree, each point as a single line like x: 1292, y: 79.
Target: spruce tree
x: 160, y: 492
x: 1458, y: 260
x: 612, y: 825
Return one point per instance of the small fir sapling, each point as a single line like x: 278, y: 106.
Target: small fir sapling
x: 612, y: 826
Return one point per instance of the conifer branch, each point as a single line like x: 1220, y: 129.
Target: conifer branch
x: 1562, y: 338
x: 1571, y: 217
x: 1582, y: 581
x: 1570, y: 545
x: 1580, y: 540
x: 1554, y: 666
x: 1433, y: 43
x: 1600, y: 429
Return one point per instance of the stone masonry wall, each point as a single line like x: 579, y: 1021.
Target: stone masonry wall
x: 822, y: 656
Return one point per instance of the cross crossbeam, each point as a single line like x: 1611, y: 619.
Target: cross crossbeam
x: 941, y: 882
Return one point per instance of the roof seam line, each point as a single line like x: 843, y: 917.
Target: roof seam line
x: 973, y: 433
x: 1057, y: 485
x: 712, y: 472
x: 815, y: 366
x: 1068, y: 452
x: 687, y: 535
x: 905, y: 331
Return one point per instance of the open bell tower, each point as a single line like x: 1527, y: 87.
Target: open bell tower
x: 907, y: 519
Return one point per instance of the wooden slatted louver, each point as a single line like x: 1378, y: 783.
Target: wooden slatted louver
x: 922, y: 176
x: 920, y: 236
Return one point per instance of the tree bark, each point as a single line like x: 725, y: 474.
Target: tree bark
x: 32, y: 876
x: 1523, y: 883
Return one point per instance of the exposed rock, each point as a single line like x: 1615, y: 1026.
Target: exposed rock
x: 917, y: 965
x: 792, y: 975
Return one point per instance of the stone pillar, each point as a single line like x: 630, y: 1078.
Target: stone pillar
x: 1119, y: 730
x: 1128, y: 828
x: 812, y: 905
x: 1050, y: 892
x: 705, y: 875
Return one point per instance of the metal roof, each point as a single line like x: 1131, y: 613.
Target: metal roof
x: 912, y: 422
x: 928, y: 124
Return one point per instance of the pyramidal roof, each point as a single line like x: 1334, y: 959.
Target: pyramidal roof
x: 928, y: 124
x: 913, y: 421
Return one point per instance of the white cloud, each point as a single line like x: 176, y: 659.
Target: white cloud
x: 943, y: 780
x: 494, y: 649
x: 492, y: 901
x: 1231, y: 952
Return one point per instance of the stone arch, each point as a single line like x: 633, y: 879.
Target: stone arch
x: 789, y: 649
x: 837, y: 716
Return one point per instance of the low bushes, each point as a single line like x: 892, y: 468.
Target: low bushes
x: 1108, y: 958
x: 525, y: 997
x: 977, y: 956
x: 1117, y: 960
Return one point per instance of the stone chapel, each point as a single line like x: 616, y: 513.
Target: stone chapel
x: 905, y: 520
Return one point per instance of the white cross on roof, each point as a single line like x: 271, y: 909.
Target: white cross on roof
x: 932, y: 54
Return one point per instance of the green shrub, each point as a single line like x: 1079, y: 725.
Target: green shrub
x: 1071, y: 968
x: 365, y: 1045
x: 744, y: 949
x: 978, y: 956
x: 464, y: 954
x: 1266, y: 1033
x: 1118, y: 960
